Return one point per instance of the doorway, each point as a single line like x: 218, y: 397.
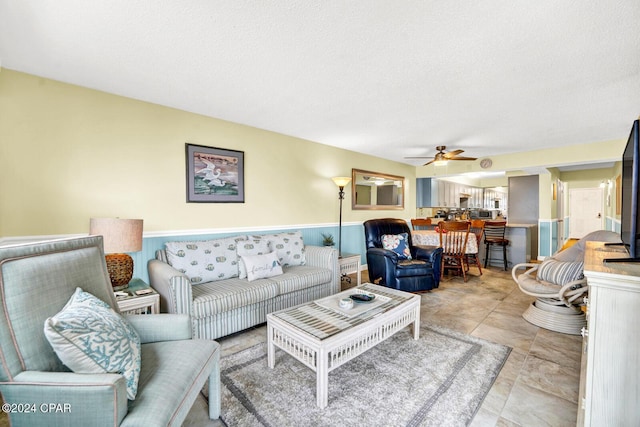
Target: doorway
x: 585, y: 211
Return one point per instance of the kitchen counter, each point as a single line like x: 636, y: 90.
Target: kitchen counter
x: 523, y: 240
x: 516, y: 225
x: 523, y: 245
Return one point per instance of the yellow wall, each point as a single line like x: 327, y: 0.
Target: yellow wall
x: 69, y: 153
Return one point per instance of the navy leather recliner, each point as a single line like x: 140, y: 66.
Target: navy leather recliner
x: 421, y: 273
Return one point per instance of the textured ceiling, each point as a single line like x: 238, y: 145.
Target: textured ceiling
x: 387, y: 78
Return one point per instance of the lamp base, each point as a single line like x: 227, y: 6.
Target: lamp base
x: 120, y: 268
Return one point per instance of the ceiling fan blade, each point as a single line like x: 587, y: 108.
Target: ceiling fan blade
x: 452, y: 154
x: 428, y: 163
x: 420, y: 157
x: 463, y: 158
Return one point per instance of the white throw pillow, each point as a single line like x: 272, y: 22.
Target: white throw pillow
x: 288, y: 246
x: 262, y: 266
x: 89, y: 337
x: 206, y: 260
x: 254, y: 245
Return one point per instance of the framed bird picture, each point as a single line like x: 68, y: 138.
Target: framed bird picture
x: 214, y: 175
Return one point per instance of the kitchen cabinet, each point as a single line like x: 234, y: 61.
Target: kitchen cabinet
x: 423, y: 193
x: 432, y: 192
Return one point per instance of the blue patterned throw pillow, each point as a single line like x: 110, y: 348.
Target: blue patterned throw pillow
x: 398, y: 243
x: 90, y: 338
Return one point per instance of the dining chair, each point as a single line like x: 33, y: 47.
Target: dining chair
x: 453, y: 240
x: 477, y: 230
x: 494, y: 232
x: 422, y: 224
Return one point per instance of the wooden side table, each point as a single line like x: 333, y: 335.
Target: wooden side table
x: 349, y: 264
x: 139, y: 304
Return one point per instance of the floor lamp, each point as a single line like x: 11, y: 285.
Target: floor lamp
x: 340, y: 181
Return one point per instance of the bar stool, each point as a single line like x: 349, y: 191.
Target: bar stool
x: 494, y: 239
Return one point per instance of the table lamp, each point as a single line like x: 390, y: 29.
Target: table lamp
x: 119, y: 236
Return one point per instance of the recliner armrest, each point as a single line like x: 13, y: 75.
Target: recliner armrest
x: 389, y: 255
x: 431, y: 254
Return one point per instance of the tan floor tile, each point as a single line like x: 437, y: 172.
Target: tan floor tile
x: 511, y: 322
x: 528, y: 406
x: 484, y: 418
x: 499, y: 393
x: 501, y: 335
x: 551, y: 378
x: 563, y: 349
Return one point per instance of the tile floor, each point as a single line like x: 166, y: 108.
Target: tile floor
x: 538, y: 386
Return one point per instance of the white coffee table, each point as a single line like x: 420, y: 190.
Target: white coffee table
x: 323, y: 336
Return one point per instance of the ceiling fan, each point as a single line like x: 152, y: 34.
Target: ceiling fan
x: 441, y: 158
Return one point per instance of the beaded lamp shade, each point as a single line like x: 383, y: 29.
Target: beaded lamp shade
x: 119, y: 236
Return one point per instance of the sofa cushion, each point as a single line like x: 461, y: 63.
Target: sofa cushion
x: 168, y: 381
x: 261, y: 266
x: 90, y: 338
x: 254, y: 245
x: 289, y: 247
x: 205, y: 261
x: 300, y: 277
x: 218, y: 297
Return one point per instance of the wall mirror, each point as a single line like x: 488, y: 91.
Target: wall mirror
x: 375, y: 190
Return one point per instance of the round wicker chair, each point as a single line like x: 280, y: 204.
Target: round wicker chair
x: 559, y: 286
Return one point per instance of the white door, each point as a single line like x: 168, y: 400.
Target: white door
x: 585, y: 211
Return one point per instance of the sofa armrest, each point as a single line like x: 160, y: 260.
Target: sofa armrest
x: 173, y: 286
x: 161, y: 327
x: 65, y: 398
x: 325, y: 257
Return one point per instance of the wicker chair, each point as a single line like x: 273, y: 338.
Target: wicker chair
x: 559, y: 286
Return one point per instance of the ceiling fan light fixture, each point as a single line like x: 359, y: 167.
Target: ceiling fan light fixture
x: 440, y: 159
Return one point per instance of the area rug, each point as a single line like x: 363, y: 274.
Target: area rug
x: 439, y: 380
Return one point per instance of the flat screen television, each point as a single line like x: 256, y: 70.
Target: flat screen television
x: 629, y: 218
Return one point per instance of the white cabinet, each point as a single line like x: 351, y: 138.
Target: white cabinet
x: 446, y: 194
x: 609, y: 380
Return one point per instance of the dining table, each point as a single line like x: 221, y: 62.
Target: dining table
x: 432, y: 238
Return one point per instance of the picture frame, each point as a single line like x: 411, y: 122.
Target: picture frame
x: 214, y: 175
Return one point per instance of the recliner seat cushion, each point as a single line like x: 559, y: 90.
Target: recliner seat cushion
x: 407, y: 268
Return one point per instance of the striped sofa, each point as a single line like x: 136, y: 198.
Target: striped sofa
x: 222, y: 307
